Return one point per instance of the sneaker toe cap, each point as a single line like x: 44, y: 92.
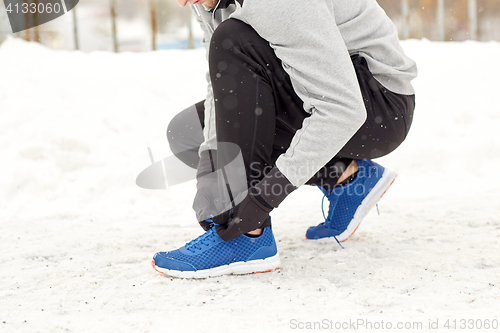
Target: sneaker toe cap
x: 320, y: 231
x: 166, y: 260
x: 317, y: 232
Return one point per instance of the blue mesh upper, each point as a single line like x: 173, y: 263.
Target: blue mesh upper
x: 345, y: 200
x: 237, y: 249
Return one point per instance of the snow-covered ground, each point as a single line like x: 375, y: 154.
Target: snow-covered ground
x: 77, y: 235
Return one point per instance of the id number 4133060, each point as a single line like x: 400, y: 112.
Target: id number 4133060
x: 34, y: 8
x: 471, y: 324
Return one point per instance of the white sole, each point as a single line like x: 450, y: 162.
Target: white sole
x: 367, y: 204
x: 241, y: 267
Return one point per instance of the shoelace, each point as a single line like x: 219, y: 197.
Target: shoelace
x: 204, y: 239
x: 212, y: 223
x: 330, y: 213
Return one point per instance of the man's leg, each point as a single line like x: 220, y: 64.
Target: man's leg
x: 208, y: 255
x: 185, y: 135
x: 389, y: 118
x: 257, y: 108
x: 248, y: 84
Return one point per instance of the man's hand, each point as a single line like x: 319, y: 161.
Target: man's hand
x: 253, y: 206
x: 246, y: 216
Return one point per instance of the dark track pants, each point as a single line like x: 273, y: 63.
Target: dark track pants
x: 257, y: 109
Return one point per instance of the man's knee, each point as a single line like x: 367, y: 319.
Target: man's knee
x: 172, y: 132
x: 184, y: 132
x: 226, y: 34
x: 232, y: 35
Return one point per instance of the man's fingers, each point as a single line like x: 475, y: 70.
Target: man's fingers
x: 223, y: 218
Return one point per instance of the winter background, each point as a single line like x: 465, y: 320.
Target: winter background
x: 77, y: 235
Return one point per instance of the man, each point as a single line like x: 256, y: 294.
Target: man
x: 298, y: 93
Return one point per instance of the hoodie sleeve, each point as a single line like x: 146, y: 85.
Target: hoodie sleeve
x: 306, y: 39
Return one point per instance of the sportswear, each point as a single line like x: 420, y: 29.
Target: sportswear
x: 314, y: 43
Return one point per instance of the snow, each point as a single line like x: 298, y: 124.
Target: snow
x: 77, y: 235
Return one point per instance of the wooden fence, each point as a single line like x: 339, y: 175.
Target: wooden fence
x: 440, y: 21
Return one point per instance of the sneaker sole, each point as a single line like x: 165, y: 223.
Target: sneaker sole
x: 241, y: 267
x: 388, y: 178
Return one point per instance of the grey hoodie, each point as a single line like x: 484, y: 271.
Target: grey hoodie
x: 314, y: 40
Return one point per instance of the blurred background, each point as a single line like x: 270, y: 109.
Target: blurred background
x: 143, y: 25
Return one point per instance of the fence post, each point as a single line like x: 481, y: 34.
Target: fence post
x: 35, y: 23
x: 75, y: 30
x: 440, y: 20
x: 153, y: 24
x: 26, y: 17
x: 113, y: 25
x: 190, y: 29
x: 473, y: 19
x: 405, y: 9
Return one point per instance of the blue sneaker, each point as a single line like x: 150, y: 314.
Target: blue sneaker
x: 208, y: 255
x: 350, y: 203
